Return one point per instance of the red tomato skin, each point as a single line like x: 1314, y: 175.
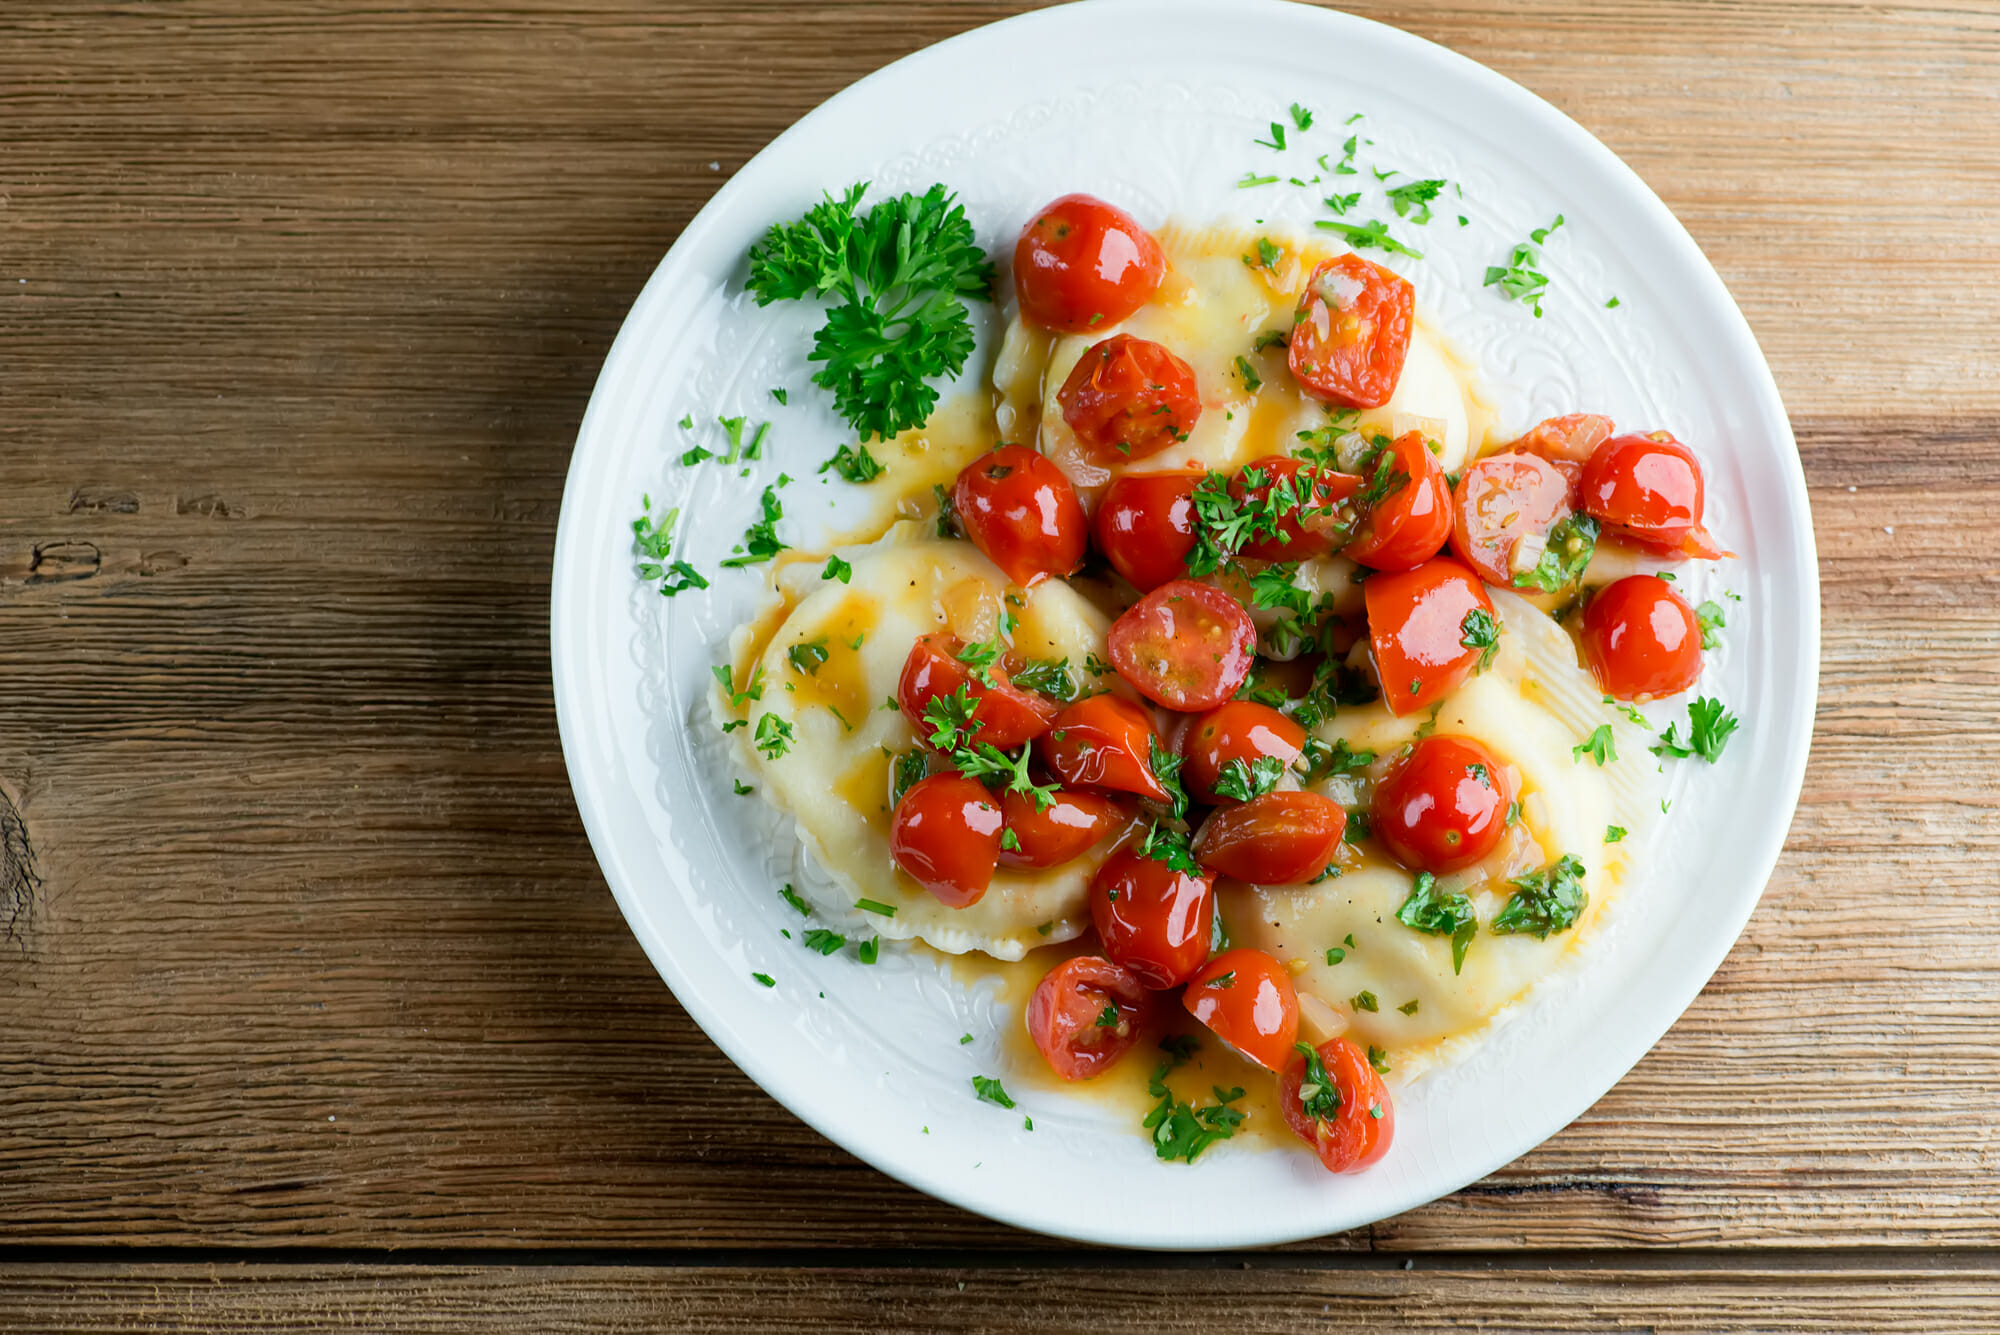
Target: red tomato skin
x: 1277, y: 838
x: 1527, y: 488
x: 1073, y: 825
x: 1416, y: 629
x: 946, y: 835
x: 1641, y: 639
x: 1084, y: 264
x: 1237, y: 730
x: 1412, y: 524
x: 1185, y: 645
x: 1352, y: 332
x: 1063, y: 1015
x: 1647, y: 487
x: 1434, y: 813
x: 1021, y: 511
x: 1103, y: 742
x: 1256, y: 1011
x: 1354, y: 1139
x: 1571, y: 438
x: 1152, y: 919
x: 1145, y: 526
x: 1297, y: 540
x: 1006, y: 714
x: 1127, y: 399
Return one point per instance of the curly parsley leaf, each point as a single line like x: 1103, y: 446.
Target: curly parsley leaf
x: 950, y: 719
x: 1242, y: 780
x: 1163, y: 844
x: 1545, y: 901
x: 1167, y: 769
x: 995, y: 768
x: 1047, y: 676
x: 1440, y: 915
x: 1480, y: 631
x: 1598, y: 746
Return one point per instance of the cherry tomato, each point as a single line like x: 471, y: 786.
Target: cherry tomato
x: 1239, y: 730
x: 1315, y: 527
x: 1084, y: 264
x: 1275, y: 839
x: 1072, y: 825
x: 1021, y: 511
x: 1103, y: 742
x: 946, y: 835
x: 1145, y: 526
x: 1648, y: 488
x: 1085, y: 1014
x: 1185, y: 645
x: 1641, y: 639
x: 1444, y: 806
x: 1410, y: 522
x: 1006, y: 714
x: 1128, y: 399
x: 1247, y: 1000
x: 1418, y: 624
x: 1152, y: 919
x: 1503, y: 501
x: 1351, y: 332
x: 1569, y: 439
x: 1356, y: 1130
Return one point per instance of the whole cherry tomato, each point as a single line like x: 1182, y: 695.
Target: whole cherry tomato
x: 946, y: 835
x: 1648, y: 488
x: 1006, y: 714
x: 1103, y: 742
x: 1422, y: 628
x: 1567, y: 442
x: 1283, y: 838
x: 1641, y: 639
x: 1238, y: 730
x: 1503, y: 501
x: 1444, y: 806
x: 1145, y: 526
x: 1408, y: 507
x: 1084, y: 264
x: 1128, y: 399
x: 1152, y: 919
x: 1021, y: 511
x: 1343, y: 1111
x: 1351, y: 332
x: 1072, y: 825
x: 1187, y: 646
x: 1085, y: 1014
x: 1314, y: 526
x: 1247, y: 1000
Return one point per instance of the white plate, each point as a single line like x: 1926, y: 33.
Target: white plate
x: 1155, y: 106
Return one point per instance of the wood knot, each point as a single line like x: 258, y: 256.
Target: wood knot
x: 97, y: 501
x: 208, y: 507
x: 55, y: 562
x: 19, y: 881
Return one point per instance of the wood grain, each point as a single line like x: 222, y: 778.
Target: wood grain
x: 300, y: 304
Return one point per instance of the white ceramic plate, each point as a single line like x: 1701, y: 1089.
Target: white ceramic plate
x: 1155, y: 106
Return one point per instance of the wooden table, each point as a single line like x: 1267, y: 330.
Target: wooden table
x: 314, y: 1009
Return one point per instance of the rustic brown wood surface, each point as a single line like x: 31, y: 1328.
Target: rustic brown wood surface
x: 300, y: 304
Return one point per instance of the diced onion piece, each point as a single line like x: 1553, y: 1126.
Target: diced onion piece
x: 1351, y: 450
x: 1318, y: 1021
x: 1526, y: 553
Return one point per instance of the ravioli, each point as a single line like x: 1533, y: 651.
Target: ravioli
x: 1532, y: 708
x: 835, y: 777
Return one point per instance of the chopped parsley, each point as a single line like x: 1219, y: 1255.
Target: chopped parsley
x: 1409, y: 1007
x: 791, y: 897
x: 1268, y: 254
x: 1571, y: 544
x: 1166, y: 768
x: 1440, y: 915
x: 1373, y: 234
x: 1250, y: 179
x: 1711, y: 619
x: 869, y: 951
x: 1709, y: 729
x: 980, y: 655
x: 1251, y: 380
x: 1342, y: 203
x: 837, y: 569
x: 1319, y: 1096
x: 1334, y: 955
x: 1519, y: 278
x: 875, y: 906
x: 1047, y: 676
x: 1614, y: 834
x: 989, y: 1090
x: 1480, y: 631
x: 1412, y: 199
x: 854, y: 463
x: 1365, y: 1001
x: 1379, y: 1059
x: 1181, y: 1131
x: 825, y: 942
x: 1009, y: 841
x: 808, y: 656
x: 765, y: 979
x: 996, y: 769
x: 950, y: 719
x: 773, y: 736
x: 1277, y: 140
x: 743, y: 789
x: 911, y: 768
x: 654, y: 544
x: 1301, y: 117
x: 1163, y: 844
x: 760, y: 540
x: 1598, y: 746
x: 1108, y: 1017
x: 1545, y: 901
x: 896, y: 277
x: 1242, y: 780
x: 1319, y: 759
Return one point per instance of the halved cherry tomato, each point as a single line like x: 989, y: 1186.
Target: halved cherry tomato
x: 1072, y: 825
x: 1247, y: 1000
x: 1128, y: 399
x: 1567, y: 442
x: 1284, y: 838
x: 1103, y: 742
x: 1504, y: 501
x: 946, y: 835
x: 1444, y: 806
x: 1021, y: 511
x: 1152, y: 919
x: 1641, y: 639
x: 1006, y: 714
x: 1312, y: 528
x: 1351, y: 332
x: 1085, y: 1014
x: 1145, y: 526
x: 1648, y: 488
x: 1187, y: 646
x: 1239, y: 730
x: 1356, y: 1130
x: 1084, y: 264
x: 1418, y: 624
x: 1410, y: 520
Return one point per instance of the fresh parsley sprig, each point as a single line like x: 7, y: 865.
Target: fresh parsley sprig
x: 1545, y: 901
x: 1709, y: 728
